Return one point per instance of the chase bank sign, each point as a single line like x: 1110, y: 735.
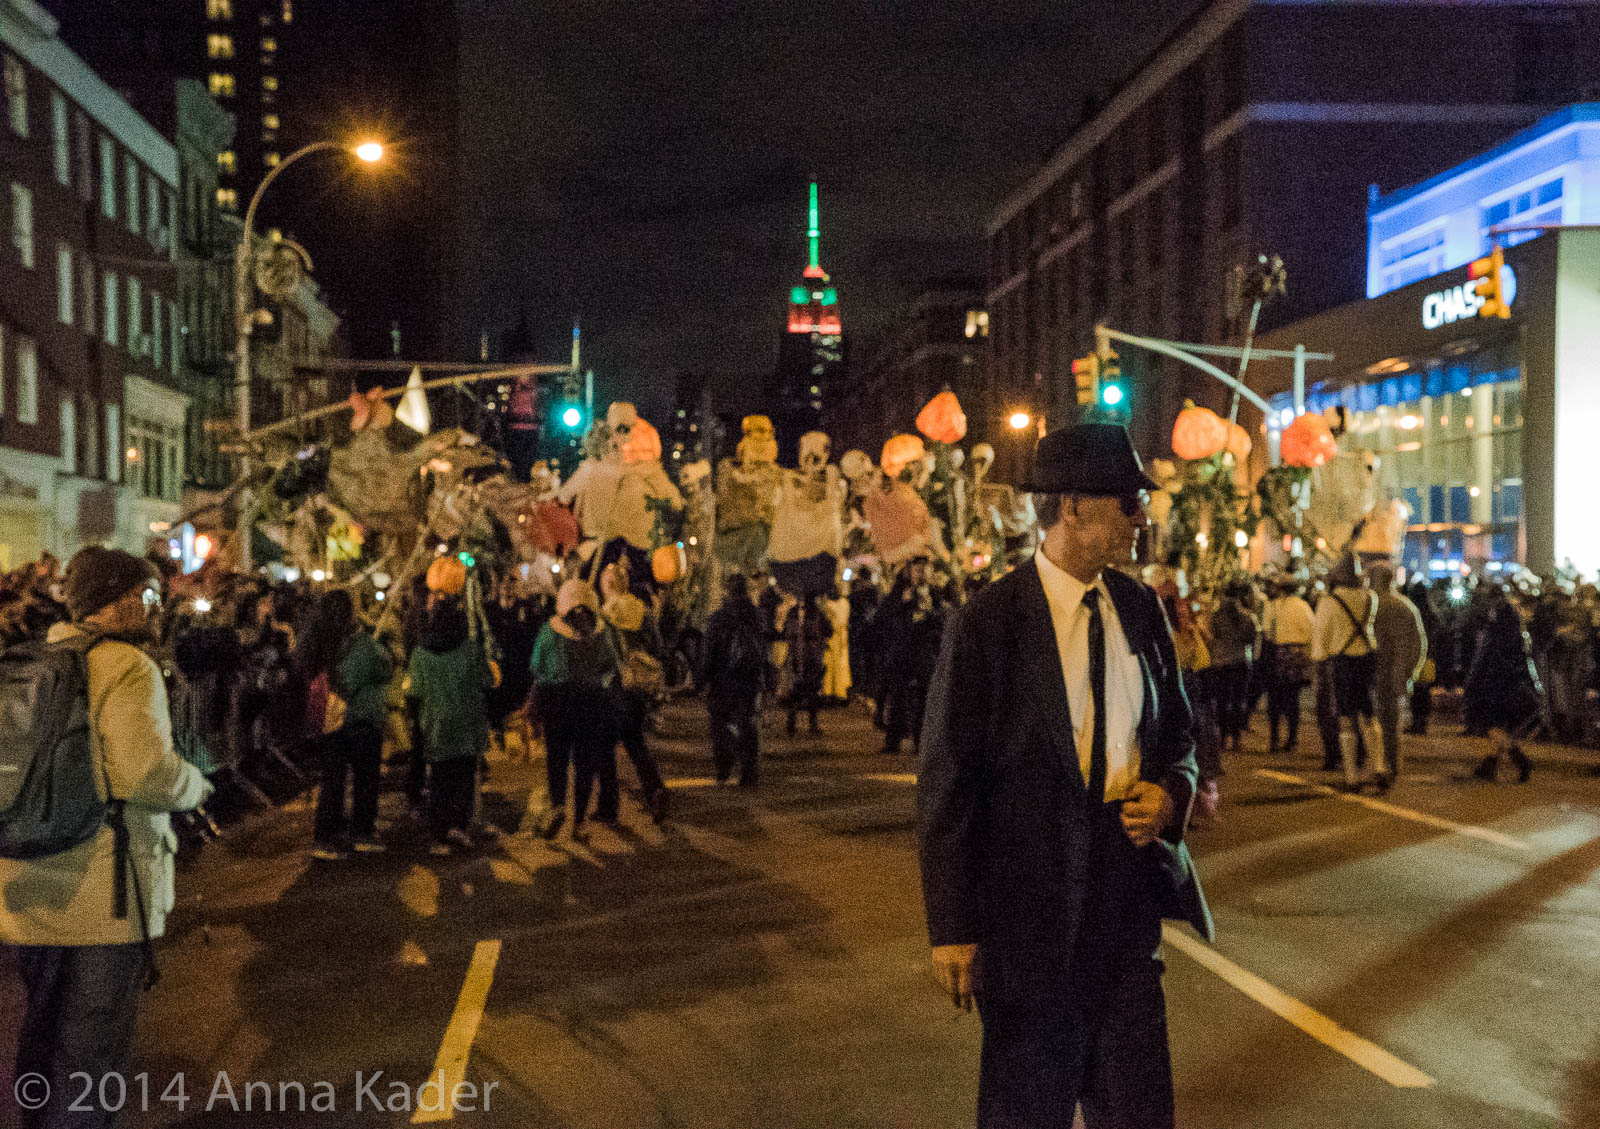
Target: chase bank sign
x: 1460, y: 303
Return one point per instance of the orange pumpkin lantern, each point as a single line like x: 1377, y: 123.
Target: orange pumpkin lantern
x: 1199, y: 433
x: 1308, y: 442
x: 942, y: 419
x: 900, y: 452
x: 668, y: 563
x: 1238, y: 444
x: 447, y: 575
x: 643, y: 445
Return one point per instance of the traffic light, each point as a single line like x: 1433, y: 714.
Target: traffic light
x: 571, y: 415
x: 1113, y: 392
x: 1086, y: 371
x: 1489, y: 272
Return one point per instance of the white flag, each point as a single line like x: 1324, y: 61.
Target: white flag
x: 414, y: 404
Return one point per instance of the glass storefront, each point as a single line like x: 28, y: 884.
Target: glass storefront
x: 1448, y: 434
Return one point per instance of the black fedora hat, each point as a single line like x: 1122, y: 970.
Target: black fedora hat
x: 1087, y: 458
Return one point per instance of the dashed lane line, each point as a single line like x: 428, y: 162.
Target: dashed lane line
x: 450, y: 1068
x: 1367, y: 1055
x: 1476, y: 832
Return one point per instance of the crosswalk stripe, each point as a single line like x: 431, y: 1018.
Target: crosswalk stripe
x: 1386, y: 808
x: 1360, y: 1051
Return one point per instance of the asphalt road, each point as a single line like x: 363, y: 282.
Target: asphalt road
x: 1430, y: 961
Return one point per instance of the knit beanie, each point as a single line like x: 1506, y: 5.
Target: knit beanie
x: 99, y: 577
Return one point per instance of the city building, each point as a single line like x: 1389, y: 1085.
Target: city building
x: 91, y: 419
x: 811, y: 360
x: 1257, y: 126
x: 938, y: 340
x: 1484, y: 426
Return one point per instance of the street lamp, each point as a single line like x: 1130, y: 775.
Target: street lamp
x: 1019, y: 421
x: 369, y: 152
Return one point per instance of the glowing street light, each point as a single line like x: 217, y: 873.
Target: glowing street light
x: 370, y: 152
x: 1019, y: 421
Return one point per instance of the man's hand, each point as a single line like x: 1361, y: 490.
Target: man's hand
x: 1147, y: 810
x: 955, y: 967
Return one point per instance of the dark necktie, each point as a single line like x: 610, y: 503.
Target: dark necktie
x: 1097, y: 687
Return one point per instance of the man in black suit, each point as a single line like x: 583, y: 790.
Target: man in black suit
x: 1057, y: 775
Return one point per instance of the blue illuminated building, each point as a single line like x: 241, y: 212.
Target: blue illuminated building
x: 1548, y: 173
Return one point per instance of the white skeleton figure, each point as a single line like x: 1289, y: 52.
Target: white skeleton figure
x: 593, y: 486
x: 809, y: 518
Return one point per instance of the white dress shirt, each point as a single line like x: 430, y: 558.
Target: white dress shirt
x: 1124, y: 678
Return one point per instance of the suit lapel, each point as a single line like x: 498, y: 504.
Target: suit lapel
x: 1041, y: 678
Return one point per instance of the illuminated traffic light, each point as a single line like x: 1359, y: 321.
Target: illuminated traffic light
x: 1086, y: 371
x: 1489, y: 273
x: 572, y: 417
x: 1113, y: 392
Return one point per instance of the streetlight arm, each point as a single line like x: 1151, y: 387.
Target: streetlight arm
x: 272, y: 174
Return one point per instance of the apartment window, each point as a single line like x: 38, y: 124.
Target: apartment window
x: 228, y: 162
x: 22, y: 223
x: 269, y: 82
x: 268, y: 45
x: 63, y: 143
x: 27, y: 381
x: 108, y: 309
x: 271, y: 160
x: 219, y: 9
x: 135, y: 316
x: 221, y: 84
x: 108, y: 177
x: 65, y: 294
x: 131, y: 166
x: 69, y: 434
x: 219, y: 46
x: 175, y: 343
x: 114, y: 442
x: 80, y: 123
x: 154, y: 211
x: 288, y: 11
x: 91, y: 438
x: 157, y: 342
x: 17, y: 95
x: 269, y: 121
x: 228, y: 199
x: 86, y: 294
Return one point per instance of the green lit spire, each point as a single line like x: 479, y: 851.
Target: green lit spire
x: 813, y: 234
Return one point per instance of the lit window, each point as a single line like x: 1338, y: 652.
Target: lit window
x: 288, y: 11
x: 268, y: 136
x: 269, y: 121
x: 22, y: 223
x: 157, y: 341
x: 269, y: 82
x: 219, y: 9
x: 131, y: 165
x: 108, y: 307
x: 114, y: 442
x: 108, y: 177
x: 63, y: 140
x: 135, y: 316
x: 27, y: 381
x: 86, y: 294
x: 219, y: 46
x: 227, y: 161
x: 65, y: 295
x: 272, y: 160
x: 227, y: 199
x: 221, y: 85
x: 17, y: 95
x: 268, y: 45
x: 69, y: 434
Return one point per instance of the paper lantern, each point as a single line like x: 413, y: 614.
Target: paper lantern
x: 1238, y: 444
x: 447, y: 575
x: 643, y: 445
x: 668, y: 563
x: 942, y: 419
x: 900, y: 452
x: 1308, y: 442
x: 1198, y: 433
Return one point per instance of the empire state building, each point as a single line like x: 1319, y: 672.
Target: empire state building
x: 811, y: 349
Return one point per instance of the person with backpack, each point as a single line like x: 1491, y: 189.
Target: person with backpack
x: 1344, y: 640
x: 86, y: 842
x: 636, y: 638
x: 358, y: 673
x: 733, y: 670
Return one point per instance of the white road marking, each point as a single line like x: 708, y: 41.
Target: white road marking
x: 450, y: 1068
x: 1422, y: 817
x: 691, y: 782
x: 1365, y: 1054
x: 892, y: 777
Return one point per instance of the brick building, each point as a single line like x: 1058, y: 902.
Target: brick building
x: 1259, y: 125
x: 91, y: 423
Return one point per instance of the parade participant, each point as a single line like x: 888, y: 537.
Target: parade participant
x: 575, y: 674
x: 636, y: 638
x: 448, y: 684
x: 1422, y: 689
x: 1502, y: 690
x: 906, y: 629
x: 1342, y: 640
x: 733, y: 671
x: 804, y: 629
x: 81, y: 920
x: 515, y: 622
x: 358, y: 672
x: 1288, y: 630
x: 1054, y: 792
x: 836, y: 680
x: 1235, y: 635
x: 1402, y: 647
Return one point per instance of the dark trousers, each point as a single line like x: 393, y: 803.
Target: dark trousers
x: 735, y: 736
x: 416, y: 775
x: 356, y: 751
x: 579, y: 734
x: 1099, y: 1038
x: 82, y: 1001
x: 633, y: 743
x: 906, y: 702
x: 1283, y: 708
x: 1233, y: 702
x: 1421, y: 707
x: 450, y: 797
x: 1327, y: 717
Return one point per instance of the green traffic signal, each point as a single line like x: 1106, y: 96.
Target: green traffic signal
x: 1113, y: 395
x: 572, y: 418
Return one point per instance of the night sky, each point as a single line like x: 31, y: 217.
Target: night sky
x: 644, y: 165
